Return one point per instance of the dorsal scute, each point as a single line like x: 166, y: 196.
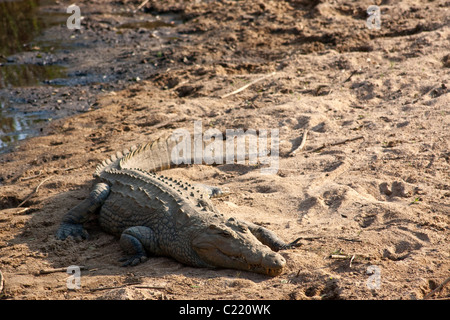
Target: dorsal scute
x: 113, y: 161
x: 151, y: 157
x: 157, y: 155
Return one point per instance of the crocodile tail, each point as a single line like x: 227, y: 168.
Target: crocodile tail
x: 154, y: 156
x: 169, y: 152
x: 113, y: 161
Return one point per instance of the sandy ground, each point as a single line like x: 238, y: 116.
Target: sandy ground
x: 372, y: 206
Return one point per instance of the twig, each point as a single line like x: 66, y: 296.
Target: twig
x: 34, y: 191
x: 15, y: 211
x: 135, y: 284
x: 108, y: 288
x: 150, y: 287
x: 70, y: 168
x: 351, y: 260
x: 56, y: 270
x: 32, y: 177
x: 140, y: 6
x: 351, y: 75
x: 348, y: 239
x: 439, y: 288
x: 247, y: 85
x: 302, y: 144
x: 336, y: 143
x: 339, y: 256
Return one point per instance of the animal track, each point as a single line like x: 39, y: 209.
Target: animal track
x: 397, y: 190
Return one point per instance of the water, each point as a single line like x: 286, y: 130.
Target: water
x: 30, y: 71
x: 28, y: 75
x: 20, y: 23
x: 17, y: 125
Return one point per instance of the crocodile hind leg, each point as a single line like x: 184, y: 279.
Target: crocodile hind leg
x: 269, y: 238
x: 136, y: 242
x: 72, y: 223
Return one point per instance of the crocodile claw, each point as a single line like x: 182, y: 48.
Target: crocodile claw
x: 133, y: 260
x: 71, y: 230
x: 291, y: 245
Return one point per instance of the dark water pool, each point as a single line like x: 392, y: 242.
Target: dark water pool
x: 39, y: 55
x: 16, y: 125
x: 20, y: 23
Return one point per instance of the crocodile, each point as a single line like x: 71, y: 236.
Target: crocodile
x: 153, y: 214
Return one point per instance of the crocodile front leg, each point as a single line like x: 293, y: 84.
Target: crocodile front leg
x: 135, y: 242
x: 269, y: 238
x: 72, y: 223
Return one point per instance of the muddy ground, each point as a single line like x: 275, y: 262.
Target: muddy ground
x: 372, y: 205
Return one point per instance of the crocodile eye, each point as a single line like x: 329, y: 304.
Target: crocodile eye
x: 225, y: 234
x: 243, y: 229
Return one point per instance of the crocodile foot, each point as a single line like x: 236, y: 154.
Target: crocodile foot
x: 132, y: 245
x: 133, y: 260
x: 213, y: 192
x: 291, y: 245
x: 71, y: 230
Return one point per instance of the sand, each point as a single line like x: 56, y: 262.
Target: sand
x: 369, y: 193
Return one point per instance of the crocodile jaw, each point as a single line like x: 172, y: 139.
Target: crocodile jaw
x: 231, y: 246
x: 270, y: 263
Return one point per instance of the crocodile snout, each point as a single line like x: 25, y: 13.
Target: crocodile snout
x: 273, y: 263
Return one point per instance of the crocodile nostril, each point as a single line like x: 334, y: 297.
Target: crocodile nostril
x: 273, y: 261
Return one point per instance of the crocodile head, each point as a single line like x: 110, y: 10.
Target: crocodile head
x: 232, y: 245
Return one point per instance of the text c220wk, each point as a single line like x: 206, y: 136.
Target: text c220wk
x: 246, y: 309
x: 227, y: 309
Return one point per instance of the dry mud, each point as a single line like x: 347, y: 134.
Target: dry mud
x: 375, y: 197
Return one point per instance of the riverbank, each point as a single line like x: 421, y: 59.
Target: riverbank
x: 369, y: 192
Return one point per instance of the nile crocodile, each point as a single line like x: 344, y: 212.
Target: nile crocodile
x: 155, y: 214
